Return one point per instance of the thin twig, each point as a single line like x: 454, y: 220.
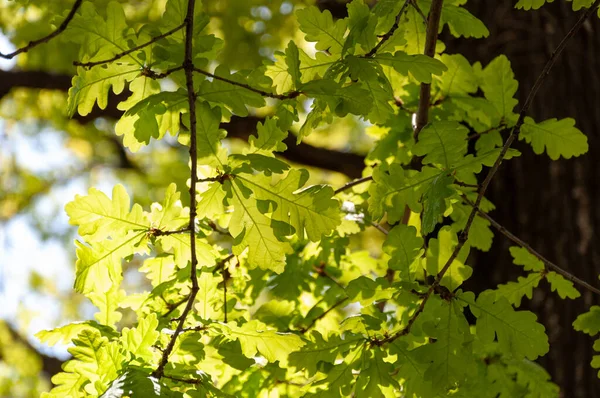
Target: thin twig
x: 322, y: 272
x: 291, y: 94
x: 222, y: 263
x: 182, y: 380
x: 173, y: 307
x: 515, y: 131
x: 127, y: 52
x: 159, y: 232
x: 47, y: 38
x: 226, y: 277
x: 198, y: 328
x: 352, y: 184
x: 398, y: 102
x: 477, y: 135
x: 380, y: 228
x: 433, y: 26
x: 465, y: 185
x: 314, y: 321
x: 526, y: 246
x: 153, y: 75
x: 188, y: 66
x: 416, y: 7
x: 390, y: 32
x: 213, y: 225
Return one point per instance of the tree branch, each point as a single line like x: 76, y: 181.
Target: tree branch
x: 433, y: 26
x: 526, y: 246
x: 47, y: 38
x: 188, y: 66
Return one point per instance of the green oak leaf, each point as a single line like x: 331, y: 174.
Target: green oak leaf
x: 404, y: 246
x: 252, y: 229
x: 152, y: 117
x: 562, y: 286
x: 94, y: 85
x: 234, y: 97
x: 321, y: 349
x: 138, y: 341
x: 439, y: 252
x: 442, y: 143
x: 516, y: 332
x: 588, y: 322
x: 434, y: 202
x: 254, y: 337
x: 100, y: 217
x: 531, y: 4
x: 459, y: 79
x: 319, y: 27
x: 556, y: 137
x: 135, y: 382
x: 523, y: 287
x: 521, y: 256
x: 499, y: 86
x: 420, y: 67
x: 375, y: 375
x: 310, y: 211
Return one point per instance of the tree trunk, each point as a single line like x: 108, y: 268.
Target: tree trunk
x: 553, y: 205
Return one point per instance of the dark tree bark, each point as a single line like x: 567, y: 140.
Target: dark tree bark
x: 554, y: 206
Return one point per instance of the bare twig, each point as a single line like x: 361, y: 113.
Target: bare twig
x: 47, y: 38
x: 188, y: 66
x: 352, y: 184
x: 390, y: 32
x: 462, y: 238
x: 291, y: 94
x: 526, y: 246
x: 127, y: 52
x: 433, y: 25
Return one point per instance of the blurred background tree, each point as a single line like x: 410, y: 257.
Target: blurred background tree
x: 45, y: 159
